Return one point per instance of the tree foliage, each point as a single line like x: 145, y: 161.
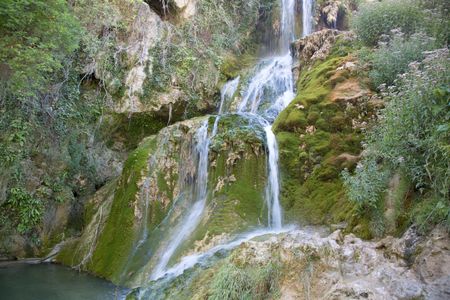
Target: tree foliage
x: 37, y: 37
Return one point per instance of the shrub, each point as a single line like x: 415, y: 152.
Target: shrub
x: 412, y: 136
x: 436, y: 20
x: 377, y: 18
x: 27, y: 208
x: 393, y: 57
x: 367, y: 185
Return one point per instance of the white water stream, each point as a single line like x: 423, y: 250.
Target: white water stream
x: 226, y: 93
x: 308, y: 17
x: 193, y: 217
x: 268, y: 93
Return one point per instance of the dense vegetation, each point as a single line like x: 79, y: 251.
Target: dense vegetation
x: 39, y: 101
x: 190, y: 53
x: 411, y: 138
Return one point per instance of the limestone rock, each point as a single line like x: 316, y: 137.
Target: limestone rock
x: 315, y: 47
x: 333, y: 14
x: 187, y: 8
x: 145, y: 31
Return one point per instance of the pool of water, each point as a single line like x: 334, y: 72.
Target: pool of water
x: 53, y: 282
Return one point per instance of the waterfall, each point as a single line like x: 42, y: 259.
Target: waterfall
x: 267, y: 93
x: 273, y: 186
x: 193, y: 217
x: 308, y: 17
x: 287, y: 24
x: 226, y: 93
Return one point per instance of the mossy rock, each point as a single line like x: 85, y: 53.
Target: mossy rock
x: 129, y: 130
x: 232, y: 65
x: 313, y: 133
x: 119, y: 234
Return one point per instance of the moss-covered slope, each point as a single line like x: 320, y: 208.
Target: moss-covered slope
x: 318, y: 136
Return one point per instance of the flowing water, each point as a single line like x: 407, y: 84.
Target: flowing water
x: 273, y: 186
x: 193, y: 217
x: 269, y: 92
x: 226, y: 93
x: 308, y: 17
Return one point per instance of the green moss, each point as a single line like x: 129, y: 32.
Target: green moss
x: 232, y: 65
x: 312, y: 132
x: 295, y: 118
x: 68, y: 254
x: 240, y: 203
x: 131, y: 129
x: 119, y: 234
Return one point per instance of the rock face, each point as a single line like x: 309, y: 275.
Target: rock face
x: 187, y: 8
x: 333, y: 14
x: 145, y: 31
x: 316, y: 46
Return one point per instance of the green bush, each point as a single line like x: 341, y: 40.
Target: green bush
x: 28, y: 209
x: 368, y: 183
x: 412, y: 137
x: 436, y: 20
x: 392, y: 58
x: 375, y: 19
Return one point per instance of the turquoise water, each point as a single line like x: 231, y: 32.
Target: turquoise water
x: 53, y: 282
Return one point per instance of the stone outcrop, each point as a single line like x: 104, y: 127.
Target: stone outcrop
x: 310, y: 263
x: 186, y: 8
x: 316, y: 46
x: 145, y: 31
x: 333, y: 14
x: 345, y: 267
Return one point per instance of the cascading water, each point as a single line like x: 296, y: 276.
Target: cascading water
x: 287, y: 24
x: 273, y: 186
x: 308, y: 17
x: 226, y: 93
x: 269, y: 92
x: 193, y: 217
